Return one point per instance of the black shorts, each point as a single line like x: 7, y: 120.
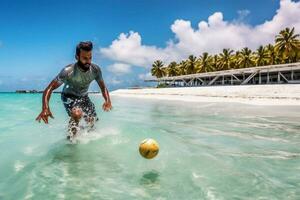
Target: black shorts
x: 84, y: 102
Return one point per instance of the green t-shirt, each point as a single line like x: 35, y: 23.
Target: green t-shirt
x: 77, y: 82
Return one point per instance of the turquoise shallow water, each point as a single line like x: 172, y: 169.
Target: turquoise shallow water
x: 207, y: 151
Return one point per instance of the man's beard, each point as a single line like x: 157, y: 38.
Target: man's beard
x: 84, y: 67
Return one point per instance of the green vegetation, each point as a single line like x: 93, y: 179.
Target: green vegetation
x: 285, y: 50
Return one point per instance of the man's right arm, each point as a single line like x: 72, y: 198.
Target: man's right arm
x: 46, y: 97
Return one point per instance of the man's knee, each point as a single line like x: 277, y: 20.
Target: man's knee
x: 76, y: 113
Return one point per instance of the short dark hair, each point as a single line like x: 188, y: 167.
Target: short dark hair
x: 86, y: 46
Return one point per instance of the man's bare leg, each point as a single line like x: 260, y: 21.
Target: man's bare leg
x: 90, y: 122
x: 76, y: 115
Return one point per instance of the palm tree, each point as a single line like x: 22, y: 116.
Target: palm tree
x: 181, y: 68
x: 272, y: 56
x: 191, y: 65
x: 298, y: 56
x: 205, y: 63
x: 172, y: 69
x: 235, y: 59
x: 245, y: 58
x: 157, y: 69
x: 287, y: 44
x: 261, y: 56
x: 215, y: 62
x: 225, y: 60
x: 285, y: 50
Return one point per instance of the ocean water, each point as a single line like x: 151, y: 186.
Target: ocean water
x: 207, y: 151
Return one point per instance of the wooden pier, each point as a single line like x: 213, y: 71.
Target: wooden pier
x: 271, y: 74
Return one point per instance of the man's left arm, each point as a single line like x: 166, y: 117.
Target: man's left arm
x: 107, y: 104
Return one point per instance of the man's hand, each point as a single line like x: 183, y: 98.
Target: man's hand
x: 46, y: 97
x: 44, y: 115
x: 107, y: 106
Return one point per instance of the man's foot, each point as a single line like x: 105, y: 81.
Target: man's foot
x: 73, y: 128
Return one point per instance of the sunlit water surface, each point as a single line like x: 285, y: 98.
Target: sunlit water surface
x: 207, y: 151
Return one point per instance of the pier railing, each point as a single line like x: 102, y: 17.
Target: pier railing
x: 271, y: 74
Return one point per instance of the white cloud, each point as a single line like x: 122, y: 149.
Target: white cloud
x: 33, y: 79
x: 242, y: 14
x: 114, y: 81
x: 24, y: 79
x: 128, y: 49
x: 211, y: 36
x: 145, y: 76
x: 119, y: 68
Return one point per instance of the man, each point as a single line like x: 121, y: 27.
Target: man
x: 77, y: 78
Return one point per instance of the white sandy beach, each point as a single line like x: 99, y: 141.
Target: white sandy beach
x: 249, y: 94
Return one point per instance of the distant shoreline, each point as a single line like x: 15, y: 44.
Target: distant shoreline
x: 273, y: 94
x: 35, y: 91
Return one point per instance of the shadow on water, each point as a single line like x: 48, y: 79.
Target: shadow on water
x: 150, y: 178
x: 64, y: 152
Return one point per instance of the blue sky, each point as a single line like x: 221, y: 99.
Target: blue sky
x: 38, y: 38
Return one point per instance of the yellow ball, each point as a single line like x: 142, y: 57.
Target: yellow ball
x: 149, y: 148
